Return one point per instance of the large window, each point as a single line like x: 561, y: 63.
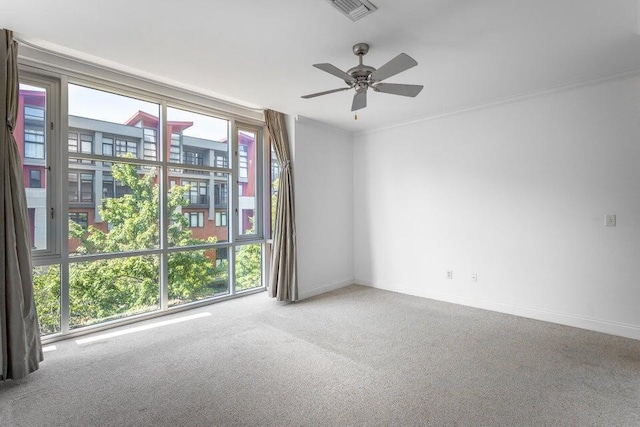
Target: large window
x: 131, y: 213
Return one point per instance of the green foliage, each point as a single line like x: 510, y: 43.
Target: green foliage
x: 46, y: 289
x: 248, y: 266
x: 111, y: 288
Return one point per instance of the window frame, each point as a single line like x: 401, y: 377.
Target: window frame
x: 53, y: 190
x: 259, y: 183
x: 56, y: 79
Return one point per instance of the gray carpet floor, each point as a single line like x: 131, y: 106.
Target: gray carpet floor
x: 353, y: 357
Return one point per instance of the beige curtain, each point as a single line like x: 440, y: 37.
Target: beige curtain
x: 19, y: 330
x: 283, y: 278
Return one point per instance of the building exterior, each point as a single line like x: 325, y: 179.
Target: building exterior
x: 90, y: 181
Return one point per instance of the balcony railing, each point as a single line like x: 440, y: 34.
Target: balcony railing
x: 197, y: 199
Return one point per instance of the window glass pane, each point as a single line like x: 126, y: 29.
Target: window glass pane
x: 73, y: 142
x: 197, y: 139
x: 35, y: 178
x: 195, y: 203
x: 248, y: 266
x: 121, y: 206
x: 46, y: 293
x: 197, y: 275
x: 247, y: 202
x: 30, y: 137
x: 128, y: 123
x: 81, y: 218
x: 110, y: 289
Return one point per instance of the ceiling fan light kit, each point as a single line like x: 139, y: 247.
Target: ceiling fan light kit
x: 362, y: 77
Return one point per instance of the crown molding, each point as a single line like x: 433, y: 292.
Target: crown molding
x: 621, y: 75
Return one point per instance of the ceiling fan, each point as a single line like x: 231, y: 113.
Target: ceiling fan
x: 362, y: 77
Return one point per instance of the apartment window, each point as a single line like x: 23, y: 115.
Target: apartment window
x: 81, y: 187
x: 86, y: 144
x: 73, y: 142
x: 34, y: 114
x: 107, y: 149
x: 35, y: 178
x: 73, y: 187
x: 194, y: 219
x: 221, y: 194
x: 221, y: 161
x: 111, y: 188
x: 221, y: 219
x: 80, y: 143
x: 108, y: 190
x: 34, y: 142
x: 198, y: 193
x: 34, y: 131
x: 174, y: 151
x: 125, y: 147
x: 221, y: 256
x: 82, y: 218
x: 150, y: 143
x: 193, y: 158
x: 243, y: 162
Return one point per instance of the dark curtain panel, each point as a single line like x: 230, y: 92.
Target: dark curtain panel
x: 19, y: 330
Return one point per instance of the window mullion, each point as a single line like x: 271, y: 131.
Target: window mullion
x: 165, y: 142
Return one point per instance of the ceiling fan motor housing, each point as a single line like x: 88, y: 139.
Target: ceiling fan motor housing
x: 360, y: 72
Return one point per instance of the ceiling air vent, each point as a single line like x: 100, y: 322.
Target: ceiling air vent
x: 354, y: 9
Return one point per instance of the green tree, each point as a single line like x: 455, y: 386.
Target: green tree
x: 110, y: 288
x: 248, y: 266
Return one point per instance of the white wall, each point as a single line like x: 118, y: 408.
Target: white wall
x: 323, y: 185
x: 516, y: 193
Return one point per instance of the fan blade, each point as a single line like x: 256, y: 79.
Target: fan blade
x: 331, y: 69
x: 398, y: 89
x: 326, y: 92
x: 397, y: 65
x: 359, y: 100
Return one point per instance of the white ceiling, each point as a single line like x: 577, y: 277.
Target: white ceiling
x: 260, y: 53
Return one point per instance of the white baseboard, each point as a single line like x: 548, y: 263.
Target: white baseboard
x: 308, y: 293
x: 607, y: 327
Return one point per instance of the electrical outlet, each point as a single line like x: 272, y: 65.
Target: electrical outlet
x: 610, y: 220
x: 450, y: 274
x: 474, y: 277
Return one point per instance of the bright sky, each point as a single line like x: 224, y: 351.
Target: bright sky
x: 109, y: 107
